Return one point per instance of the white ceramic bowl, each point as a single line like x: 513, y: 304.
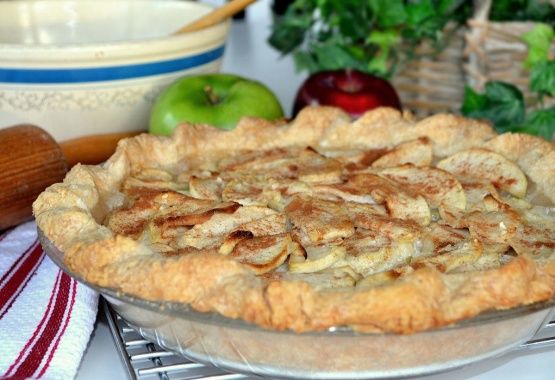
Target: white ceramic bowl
x: 87, y: 67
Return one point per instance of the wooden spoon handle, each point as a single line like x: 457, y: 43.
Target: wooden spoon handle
x: 30, y: 161
x: 216, y: 16
x: 92, y: 150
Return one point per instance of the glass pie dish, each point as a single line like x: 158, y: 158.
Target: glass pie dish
x: 337, y: 353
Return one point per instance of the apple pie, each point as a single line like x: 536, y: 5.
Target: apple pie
x: 384, y: 223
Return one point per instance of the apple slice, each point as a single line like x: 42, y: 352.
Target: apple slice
x: 262, y: 254
x: 401, y: 203
x: 437, y: 186
x: 206, y: 188
x: 318, y: 258
x: 417, y: 152
x: 319, y: 221
x: 367, y: 262
x: 134, y: 185
x: 458, y: 257
x: 266, y: 160
x: 219, y: 225
x: 273, y: 224
x: 493, y: 227
x: 537, y: 237
x: 482, y: 164
x: 371, y: 188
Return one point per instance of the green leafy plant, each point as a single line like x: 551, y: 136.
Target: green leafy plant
x: 363, y: 35
x: 523, y: 10
x: 503, y: 104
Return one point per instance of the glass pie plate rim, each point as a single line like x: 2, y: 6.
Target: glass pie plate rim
x: 182, y: 310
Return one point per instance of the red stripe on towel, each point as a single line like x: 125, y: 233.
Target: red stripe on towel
x: 39, y: 330
x: 63, y: 330
x: 14, y: 281
x: 54, y: 325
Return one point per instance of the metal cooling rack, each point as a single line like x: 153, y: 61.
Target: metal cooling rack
x: 144, y: 360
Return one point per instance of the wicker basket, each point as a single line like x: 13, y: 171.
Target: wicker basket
x: 434, y: 83
x: 480, y: 52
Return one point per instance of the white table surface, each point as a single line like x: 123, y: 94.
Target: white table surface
x: 248, y: 54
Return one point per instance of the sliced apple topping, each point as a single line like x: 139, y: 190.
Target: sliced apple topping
x: 233, y: 239
x: 439, y: 238
x: 400, y: 203
x: 306, y: 165
x: 359, y: 215
x: 246, y: 190
x: 273, y: 224
x: 493, y: 226
x: 364, y: 214
x: 417, y: 152
x: 356, y: 160
x: 438, y: 187
x: 206, y: 188
x: 476, y: 193
x: 317, y: 258
x: 483, y: 164
x: 376, y: 226
x: 318, y: 220
x: 163, y: 209
x: 184, y: 216
x: 138, y: 186
x: 312, y: 167
x: 371, y: 188
x: 366, y: 262
x: 266, y: 160
x: 257, y: 190
x: 537, y: 235
x: 262, y: 253
x: 372, y: 251
x: 220, y: 225
x: 453, y: 258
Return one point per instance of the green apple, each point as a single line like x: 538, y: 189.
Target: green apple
x: 216, y: 99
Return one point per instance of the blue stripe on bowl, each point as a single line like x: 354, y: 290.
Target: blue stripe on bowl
x: 97, y: 74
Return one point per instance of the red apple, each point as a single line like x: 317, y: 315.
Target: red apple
x: 353, y: 91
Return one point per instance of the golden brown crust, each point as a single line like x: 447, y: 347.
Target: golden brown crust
x: 72, y: 214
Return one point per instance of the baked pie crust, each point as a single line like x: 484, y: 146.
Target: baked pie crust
x: 384, y: 223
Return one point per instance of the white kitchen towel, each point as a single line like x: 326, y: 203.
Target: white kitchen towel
x: 46, y: 317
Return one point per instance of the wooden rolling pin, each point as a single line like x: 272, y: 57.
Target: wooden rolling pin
x: 31, y: 160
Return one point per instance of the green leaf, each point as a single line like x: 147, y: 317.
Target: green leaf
x: 384, y: 39
x: 522, y: 10
x: 542, y: 78
x: 539, y: 42
x: 388, y: 13
x: 502, y: 104
x: 286, y: 39
x: 419, y: 11
x: 539, y: 123
x: 333, y: 57
x: 289, y: 31
x: 379, y: 65
x: 447, y: 6
x: 539, y: 10
x: 305, y: 61
x: 473, y: 101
